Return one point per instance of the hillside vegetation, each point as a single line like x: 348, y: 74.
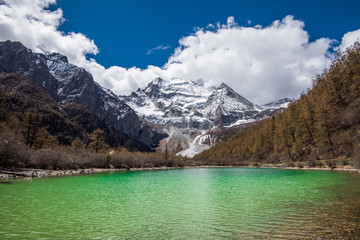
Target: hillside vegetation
x: 323, y: 124
x: 35, y: 132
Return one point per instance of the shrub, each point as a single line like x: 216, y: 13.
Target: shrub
x: 311, y: 163
x: 355, y: 157
x: 13, y: 153
x: 50, y: 159
x: 85, y: 159
x: 299, y: 165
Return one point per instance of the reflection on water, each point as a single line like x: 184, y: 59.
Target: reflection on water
x: 235, y: 203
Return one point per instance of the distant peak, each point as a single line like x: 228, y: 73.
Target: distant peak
x: 226, y: 88
x: 58, y: 56
x: 223, y: 85
x: 157, y: 81
x: 17, y: 46
x: 199, y: 82
x: 14, y: 43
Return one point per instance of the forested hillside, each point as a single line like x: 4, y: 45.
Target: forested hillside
x: 324, y: 123
x: 35, y: 132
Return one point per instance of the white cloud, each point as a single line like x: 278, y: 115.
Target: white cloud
x: 261, y: 63
x: 349, y: 39
x: 28, y: 21
x: 160, y: 47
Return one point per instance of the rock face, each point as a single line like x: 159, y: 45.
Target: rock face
x: 225, y: 107
x: 15, y: 58
x: 171, y: 102
x: 22, y: 94
x: 189, y: 105
x: 196, y: 111
x: 67, y: 83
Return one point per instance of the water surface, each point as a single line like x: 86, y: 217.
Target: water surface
x: 208, y: 203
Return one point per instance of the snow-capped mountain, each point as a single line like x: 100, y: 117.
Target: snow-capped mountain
x: 195, y: 110
x: 225, y: 107
x: 282, y: 103
x: 188, y: 104
x: 171, y: 102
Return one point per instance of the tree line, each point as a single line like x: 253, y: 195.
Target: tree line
x: 324, y: 123
x: 26, y: 142
x: 15, y: 152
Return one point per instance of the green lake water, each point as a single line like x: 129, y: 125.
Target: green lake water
x: 203, y: 203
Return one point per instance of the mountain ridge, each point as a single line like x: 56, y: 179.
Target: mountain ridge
x: 67, y: 83
x: 196, y: 110
x: 186, y: 103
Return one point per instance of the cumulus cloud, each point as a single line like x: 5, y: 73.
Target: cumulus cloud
x: 348, y: 39
x: 261, y: 63
x: 123, y: 81
x: 30, y: 22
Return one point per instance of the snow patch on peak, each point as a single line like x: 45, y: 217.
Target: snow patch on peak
x: 187, y: 103
x: 194, y: 110
x: 57, y: 57
x: 281, y: 103
x: 157, y: 81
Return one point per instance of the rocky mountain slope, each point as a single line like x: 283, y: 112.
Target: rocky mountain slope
x: 188, y: 104
x: 196, y: 110
x: 69, y: 84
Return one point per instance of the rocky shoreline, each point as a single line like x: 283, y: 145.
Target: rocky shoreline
x: 38, y: 173
x: 7, y: 174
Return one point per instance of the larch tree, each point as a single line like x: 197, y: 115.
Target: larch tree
x: 97, y: 140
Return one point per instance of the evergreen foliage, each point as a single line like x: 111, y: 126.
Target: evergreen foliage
x: 97, y: 140
x: 77, y: 144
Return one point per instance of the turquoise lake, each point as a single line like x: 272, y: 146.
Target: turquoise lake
x: 201, y: 203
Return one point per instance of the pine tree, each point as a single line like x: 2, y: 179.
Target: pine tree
x: 77, y: 144
x: 44, y: 139
x: 97, y: 140
x: 32, y: 120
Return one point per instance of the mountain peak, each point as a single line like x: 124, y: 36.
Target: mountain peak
x: 157, y: 81
x: 223, y: 85
x: 13, y: 45
x: 281, y: 103
x: 226, y: 106
x: 58, y: 57
x: 224, y: 89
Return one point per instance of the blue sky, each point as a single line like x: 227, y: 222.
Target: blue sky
x: 124, y: 31
x: 265, y: 50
